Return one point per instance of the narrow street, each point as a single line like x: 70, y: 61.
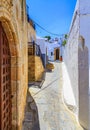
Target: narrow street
x: 52, y: 112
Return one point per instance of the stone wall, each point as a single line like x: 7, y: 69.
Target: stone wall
x: 14, y: 22
x: 39, y: 69
x: 35, y: 65
x: 31, y: 68
x: 76, y: 64
x: 35, y: 68
x: 31, y: 33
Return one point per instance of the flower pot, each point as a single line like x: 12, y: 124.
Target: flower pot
x: 61, y: 58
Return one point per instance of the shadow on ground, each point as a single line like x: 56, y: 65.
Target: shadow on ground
x: 31, y: 120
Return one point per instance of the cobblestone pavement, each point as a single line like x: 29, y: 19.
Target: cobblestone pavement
x: 52, y: 112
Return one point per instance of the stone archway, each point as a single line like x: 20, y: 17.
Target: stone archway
x: 5, y: 82
x: 12, y: 45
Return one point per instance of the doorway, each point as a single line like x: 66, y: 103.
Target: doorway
x: 5, y: 82
x: 57, y: 54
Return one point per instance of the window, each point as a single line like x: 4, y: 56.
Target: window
x: 51, y: 53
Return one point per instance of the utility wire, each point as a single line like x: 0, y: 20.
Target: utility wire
x: 43, y: 27
x: 46, y: 29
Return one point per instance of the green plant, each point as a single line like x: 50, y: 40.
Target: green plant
x: 65, y: 40
x: 48, y: 37
x: 64, y: 43
x: 65, y: 36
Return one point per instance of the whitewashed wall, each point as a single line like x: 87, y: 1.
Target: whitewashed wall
x: 85, y: 24
x: 71, y: 59
x: 85, y: 32
x: 42, y: 43
x: 76, y: 63
x: 51, y: 48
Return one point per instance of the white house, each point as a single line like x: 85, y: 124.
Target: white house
x: 43, y: 48
x: 54, y: 50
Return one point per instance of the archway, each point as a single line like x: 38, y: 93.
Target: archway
x: 8, y: 74
x: 5, y: 82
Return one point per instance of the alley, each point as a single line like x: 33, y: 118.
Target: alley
x: 53, y: 114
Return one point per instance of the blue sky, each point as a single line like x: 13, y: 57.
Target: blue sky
x: 53, y: 15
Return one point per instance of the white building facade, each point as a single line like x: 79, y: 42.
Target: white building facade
x: 54, y: 50
x: 51, y: 48
x: 76, y: 66
x: 43, y: 48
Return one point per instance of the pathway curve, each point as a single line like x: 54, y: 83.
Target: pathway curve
x: 53, y: 114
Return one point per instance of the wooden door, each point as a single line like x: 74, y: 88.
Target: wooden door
x: 5, y: 82
x: 57, y: 54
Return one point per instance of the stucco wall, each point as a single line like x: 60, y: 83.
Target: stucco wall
x: 51, y: 48
x: 85, y: 32
x: 71, y: 58
x: 76, y: 62
x: 85, y: 24
x: 42, y: 43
